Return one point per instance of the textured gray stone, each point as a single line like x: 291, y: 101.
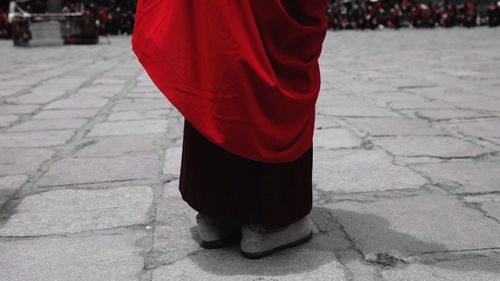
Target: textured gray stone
x: 467, y: 269
x: 394, y: 126
x: 437, y: 146
x: 335, y: 138
x: 489, y: 128
x: 66, y: 113
x: 68, y: 211
x: 117, y: 145
x: 325, y: 122
x: 77, y: 102
x: 359, y: 171
x: 90, y: 170
x: 96, y: 258
x: 9, y: 185
x: 49, y: 124
x: 468, y: 176
x: 6, y: 120
x: 449, y: 114
x: 129, y: 128
x: 138, y: 115
x: 22, y: 161
x: 38, y: 97
x: 173, y: 157
x: 490, y: 203
x: 366, y: 111
x: 35, y: 139
x: 413, y: 225
x: 306, y: 262
x: 18, y: 108
x: 176, y: 233
x: 127, y: 105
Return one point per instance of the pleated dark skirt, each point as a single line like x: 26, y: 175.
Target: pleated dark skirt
x: 223, y: 185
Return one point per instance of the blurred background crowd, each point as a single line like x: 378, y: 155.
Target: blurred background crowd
x: 117, y: 16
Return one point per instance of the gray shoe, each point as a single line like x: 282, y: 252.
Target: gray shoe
x: 258, y: 242
x: 216, y: 233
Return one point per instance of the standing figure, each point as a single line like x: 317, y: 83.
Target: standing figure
x: 245, y: 76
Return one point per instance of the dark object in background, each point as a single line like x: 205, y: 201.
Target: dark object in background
x: 494, y: 14
x: 75, y: 24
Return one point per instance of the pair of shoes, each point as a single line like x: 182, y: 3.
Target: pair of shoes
x: 216, y: 233
x: 258, y: 242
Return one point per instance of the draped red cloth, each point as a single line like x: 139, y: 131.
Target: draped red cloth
x: 244, y: 73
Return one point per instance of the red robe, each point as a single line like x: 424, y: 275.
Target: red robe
x: 243, y: 72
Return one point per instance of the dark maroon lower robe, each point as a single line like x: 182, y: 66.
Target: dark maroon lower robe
x: 223, y: 185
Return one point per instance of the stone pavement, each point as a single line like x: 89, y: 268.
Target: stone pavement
x: 406, y: 171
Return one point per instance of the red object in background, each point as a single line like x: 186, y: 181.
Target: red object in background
x: 243, y: 73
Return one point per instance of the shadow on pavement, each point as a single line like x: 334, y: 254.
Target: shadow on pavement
x: 329, y: 244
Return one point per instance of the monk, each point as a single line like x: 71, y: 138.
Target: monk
x: 245, y: 76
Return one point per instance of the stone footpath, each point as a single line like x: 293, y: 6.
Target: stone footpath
x: 406, y: 166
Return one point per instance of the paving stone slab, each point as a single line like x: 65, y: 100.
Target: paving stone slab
x: 335, y: 138
x: 22, y: 161
x: 129, y: 128
x: 450, y: 114
x: 138, y: 115
x: 490, y: 203
x: 325, y: 122
x: 67, y: 113
x: 394, y: 126
x: 467, y: 269
x: 125, y: 105
x: 48, y: 124
x: 306, y: 262
x: 9, y: 185
x: 70, y: 211
x: 434, y: 146
x: 365, y: 111
x: 175, y: 234
x: 361, y: 171
x: 77, y: 102
x: 117, y: 145
x: 6, y: 120
x: 173, y: 157
x: 38, y: 97
x: 91, y: 170
x: 35, y: 139
x: 471, y: 176
x: 414, y: 225
x: 419, y: 104
x: 18, y: 109
x: 96, y: 258
x: 489, y: 128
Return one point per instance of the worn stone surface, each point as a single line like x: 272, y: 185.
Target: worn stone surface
x: 9, y: 185
x: 415, y: 225
x: 68, y: 210
x: 335, y: 138
x: 138, y: 115
x: 15, y: 161
x: 489, y: 128
x: 97, y: 257
x: 129, y: 128
x: 307, y: 262
x: 465, y: 176
x: 6, y: 120
x: 361, y: 170
x: 117, y: 145
x: 42, y: 125
x: 394, y: 126
x: 439, y: 146
x: 91, y: 170
x: 35, y: 139
x: 66, y: 113
x: 77, y: 102
x: 173, y: 156
x: 466, y: 269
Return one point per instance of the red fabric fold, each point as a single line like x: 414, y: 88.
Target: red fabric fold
x: 243, y: 73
